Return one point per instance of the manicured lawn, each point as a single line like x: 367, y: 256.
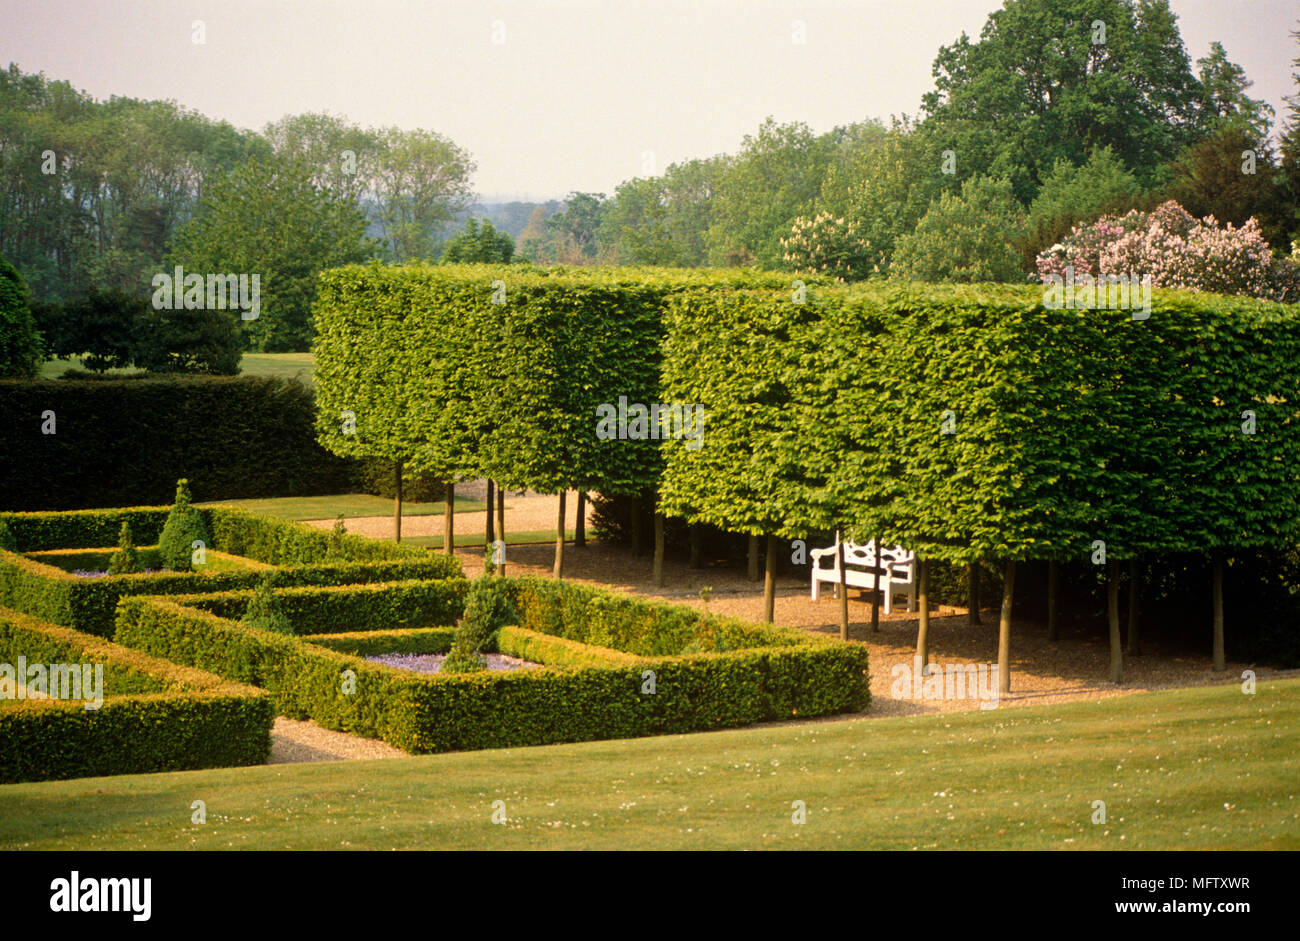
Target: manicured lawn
x: 1207, y: 768
x: 286, y: 365
x: 524, y: 537
x: 351, y: 505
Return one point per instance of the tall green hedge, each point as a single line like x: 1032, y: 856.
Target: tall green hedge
x: 124, y: 442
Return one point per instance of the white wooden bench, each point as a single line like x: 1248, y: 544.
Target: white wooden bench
x: 897, y: 570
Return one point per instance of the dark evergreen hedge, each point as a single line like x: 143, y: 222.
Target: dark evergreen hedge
x: 126, y: 442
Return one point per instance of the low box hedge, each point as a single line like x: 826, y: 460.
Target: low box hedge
x: 155, y: 715
x: 684, y: 681
x: 302, y: 556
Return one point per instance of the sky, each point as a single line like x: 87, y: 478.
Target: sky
x: 552, y: 96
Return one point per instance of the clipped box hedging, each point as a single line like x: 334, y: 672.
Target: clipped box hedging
x: 155, y: 715
x: 705, y: 672
x: 233, y: 437
x: 303, y: 556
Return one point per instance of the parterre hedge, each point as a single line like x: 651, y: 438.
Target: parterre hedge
x: 581, y: 694
x: 303, y: 556
x: 155, y: 715
x: 233, y: 437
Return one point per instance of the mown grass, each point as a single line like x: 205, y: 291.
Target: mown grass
x: 285, y: 365
x: 1207, y: 768
x: 351, y: 505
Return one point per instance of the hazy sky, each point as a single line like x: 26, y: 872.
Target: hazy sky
x: 577, y: 93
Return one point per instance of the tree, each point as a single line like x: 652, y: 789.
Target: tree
x: 1044, y: 82
x: 1233, y: 177
x: 1289, y: 150
x: 421, y: 182
x: 968, y: 238
x: 1223, y: 95
x: 484, y: 245
x: 268, y: 219
x: 1073, y: 194
x: 20, y: 344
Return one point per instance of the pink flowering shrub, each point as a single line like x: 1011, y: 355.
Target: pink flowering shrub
x: 1177, y: 251
x: 826, y: 244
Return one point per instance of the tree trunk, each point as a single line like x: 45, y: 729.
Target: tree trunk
x: 490, y: 532
x: 1134, y: 637
x: 1004, y: 628
x: 844, y: 596
x: 923, y: 598
x: 753, y: 558
x: 1220, y: 662
x: 449, y: 530
x: 693, y: 535
x: 875, y: 587
x: 659, y: 551
x: 397, y: 507
x: 501, y: 525
x: 769, y: 581
x: 1051, y: 600
x: 558, y: 570
x: 973, y: 593
x: 1112, y: 615
x: 580, y: 525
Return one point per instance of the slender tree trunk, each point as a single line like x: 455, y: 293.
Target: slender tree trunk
x: 1220, y: 662
x: 753, y: 558
x: 501, y: 525
x: 659, y: 550
x: 580, y: 524
x: 558, y: 570
x: 923, y: 598
x: 490, y: 533
x: 449, y: 539
x: 1051, y: 600
x: 397, y: 506
x: 973, y: 593
x: 1112, y: 615
x: 844, y: 596
x: 1004, y: 628
x: 1134, y: 636
x: 693, y: 535
x: 875, y: 587
x: 769, y: 581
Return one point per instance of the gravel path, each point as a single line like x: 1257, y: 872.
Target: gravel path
x: 293, y: 741
x: 524, y: 513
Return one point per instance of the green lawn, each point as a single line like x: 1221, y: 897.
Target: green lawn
x: 1208, y: 768
x: 286, y: 365
x: 351, y: 505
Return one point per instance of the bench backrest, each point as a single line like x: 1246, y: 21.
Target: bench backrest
x: 864, y: 554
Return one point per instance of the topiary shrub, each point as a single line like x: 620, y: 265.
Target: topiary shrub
x: 489, y: 607
x: 184, y: 526
x: 21, y: 350
x: 7, y: 540
x: 126, y: 560
x: 265, y: 611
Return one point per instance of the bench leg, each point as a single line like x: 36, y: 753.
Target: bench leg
x: 814, y: 587
x: 889, y: 596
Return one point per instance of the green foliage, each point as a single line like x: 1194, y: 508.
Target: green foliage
x: 265, y: 612
x: 126, y: 560
x: 779, y: 674
x: 233, y: 438
x: 475, y: 245
x: 966, y: 239
x: 1073, y: 194
x: 20, y: 344
x: 488, y: 608
x: 156, y: 716
x: 268, y: 218
x: 7, y: 540
x: 184, y: 528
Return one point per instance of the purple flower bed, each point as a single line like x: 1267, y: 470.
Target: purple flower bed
x: 86, y: 573
x: 432, y: 662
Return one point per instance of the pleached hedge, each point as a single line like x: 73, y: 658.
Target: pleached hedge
x: 614, y: 667
x: 154, y: 715
x: 976, y: 422
x: 497, y: 371
x: 301, y: 556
